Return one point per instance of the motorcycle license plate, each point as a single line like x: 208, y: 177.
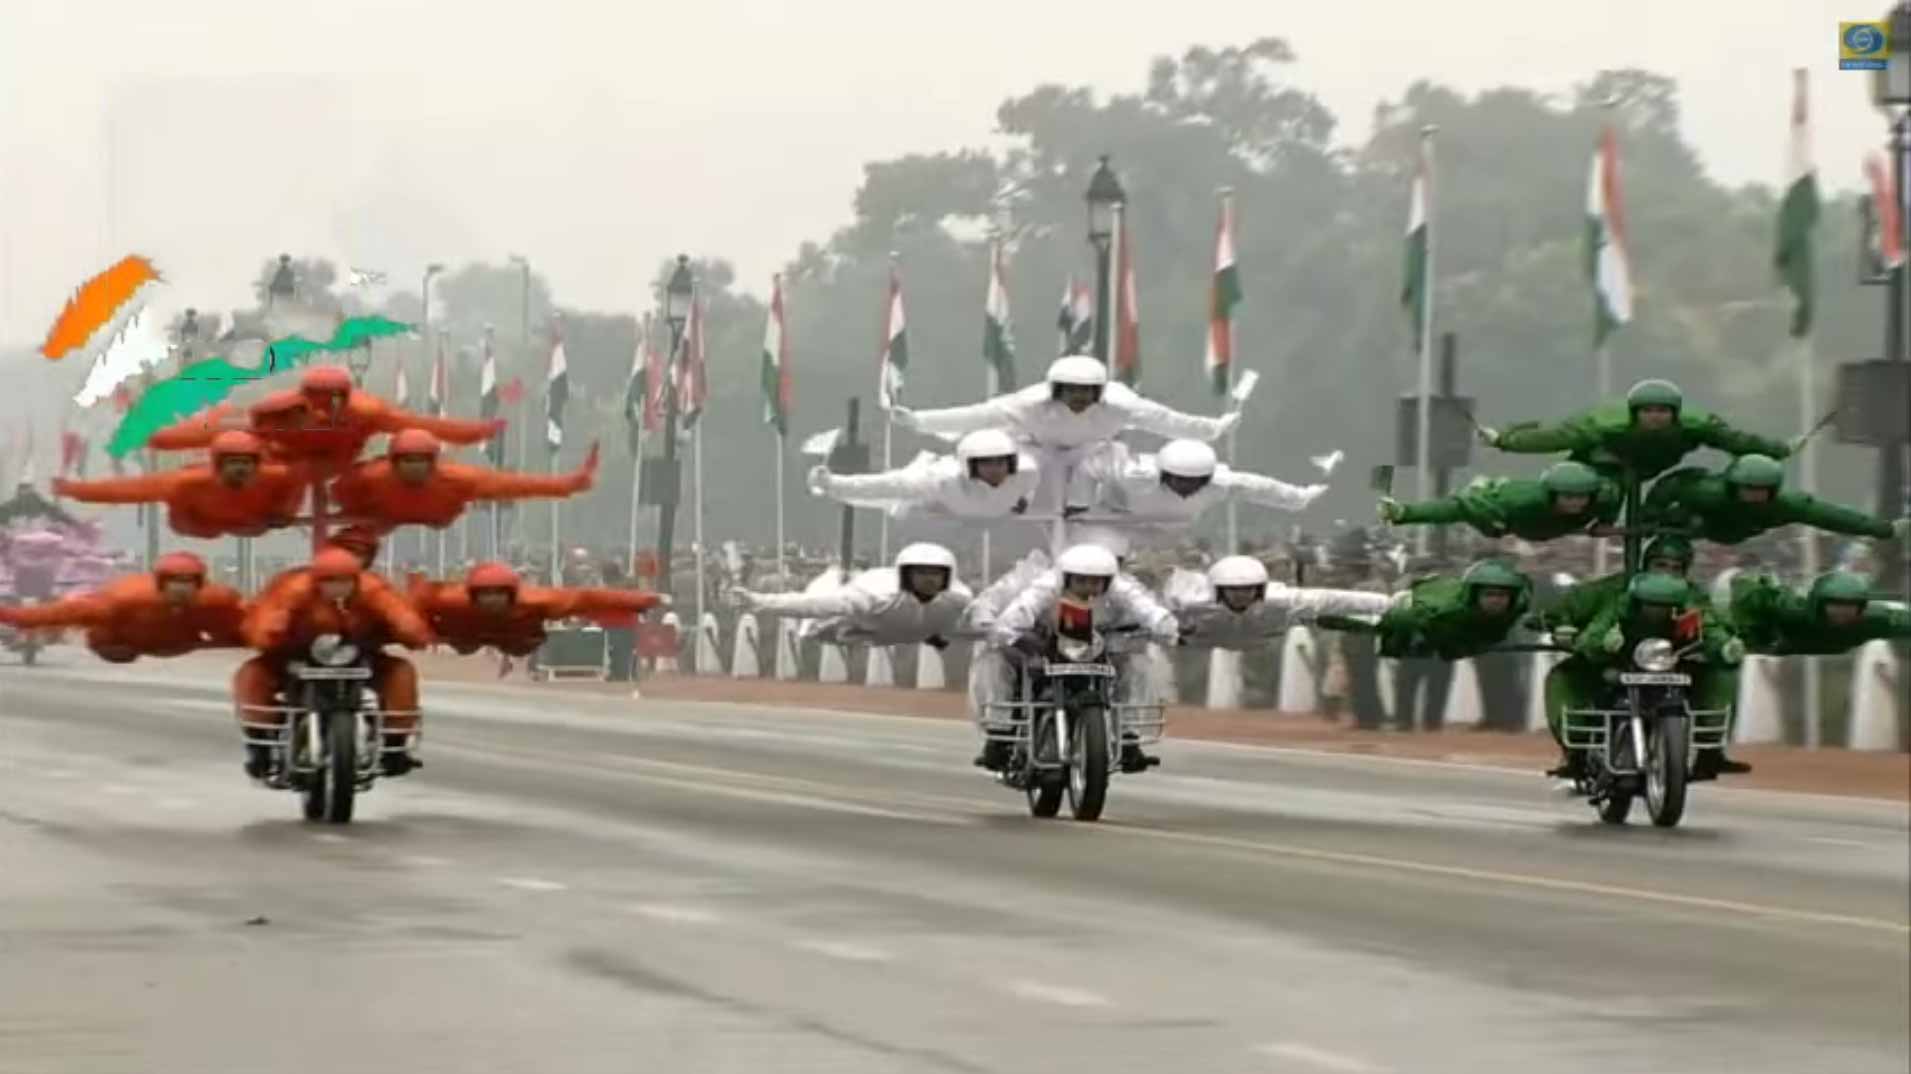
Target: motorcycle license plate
x: 334, y: 673
x: 1102, y: 670
x: 1654, y: 678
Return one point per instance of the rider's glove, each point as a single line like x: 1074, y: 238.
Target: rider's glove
x: 938, y: 642
x: 1614, y: 640
x: 1389, y: 509
x: 739, y: 598
x: 1026, y: 648
x: 1732, y: 652
x: 819, y: 479
x: 1400, y: 600
x: 904, y: 417
x: 1488, y: 435
x: 1900, y: 528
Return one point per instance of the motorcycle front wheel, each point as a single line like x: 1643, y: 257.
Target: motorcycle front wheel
x: 329, y: 793
x: 1666, y: 771
x: 1088, y: 763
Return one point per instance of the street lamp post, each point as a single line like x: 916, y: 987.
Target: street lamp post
x: 431, y: 371
x: 284, y: 284
x: 1105, y: 198
x: 1891, y: 92
x: 677, y: 295
x: 524, y: 350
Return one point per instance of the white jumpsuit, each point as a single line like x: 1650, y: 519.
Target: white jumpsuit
x: 1209, y: 624
x: 871, y: 609
x: 935, y: 487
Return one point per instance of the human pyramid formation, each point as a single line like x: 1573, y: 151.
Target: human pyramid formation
x: 1048, y: 452
x: 262, y: 465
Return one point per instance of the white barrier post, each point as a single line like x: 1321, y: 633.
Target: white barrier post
x: 668, y: 661
x: 1465, y: 707
x: 1224, y: 679
x: 882, y: 669
x: 1760, y: 715
x: 789, y: 655
x: 1877, y: 687
x: 834, y: 665
x: 743, y: 658
x: 1300, y: 687
x: 708, y: 663
x: 1167, y: 691
x: 1386, y: 669
x: 929, y: 670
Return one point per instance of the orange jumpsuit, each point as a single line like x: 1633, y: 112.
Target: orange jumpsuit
x: 128, y: 618
x: 519, y: 629
x: 372, y: 491
x: 290, y: 614
x: 198, y: 503
x: 331, y: 443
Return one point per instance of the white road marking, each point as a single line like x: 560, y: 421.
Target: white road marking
x: 682, y: 915
x: 175, y: 803
x: 424, y: 861
x: 1319, y: 1057
x: 1046, y: 993
x: 116, y: 788
x: 848, y: 952
x: 330, y: 837
x: 1830, y: 842
x: 531, y: 883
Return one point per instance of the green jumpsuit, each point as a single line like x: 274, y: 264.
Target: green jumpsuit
x: 1497, y: 506
x: 1779, y: 622
x: 1441, y: 620
x: 1606, y: 439
x: 1578, y: 682
x: 1703, y: 503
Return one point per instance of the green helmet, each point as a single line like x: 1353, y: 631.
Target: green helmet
x: 1659, y: 589
x: 1570, y: 479
x: 1755, y: 472
x: 1493, y: 574
x: 1670, y: 546
x: 1841, y: 587
x: 1655, y: 393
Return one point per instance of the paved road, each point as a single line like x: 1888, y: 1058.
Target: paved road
x: 582, y: 884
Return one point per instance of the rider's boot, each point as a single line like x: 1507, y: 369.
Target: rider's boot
x: 396, y: 760
x: 1133, y: 759
x: 1729, y: 767
x: 258, y: 761
x: 1572, y: 766
x: 994, y: 756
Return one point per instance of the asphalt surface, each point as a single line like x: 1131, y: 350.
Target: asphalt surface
x: 581, y: 883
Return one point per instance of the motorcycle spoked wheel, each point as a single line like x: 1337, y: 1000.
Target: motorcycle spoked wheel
x: 1666, y: 771
x: 1614, y: 800
x: 1088, y: 764
x: 1044, y: 786
x: 330, y: 791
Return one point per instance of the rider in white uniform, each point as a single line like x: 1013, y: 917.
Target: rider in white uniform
x: 1236, y: 607
x: 917, y: 600
x: 1091, y: 575
x: 988, y: 477
x: 1169, y: 489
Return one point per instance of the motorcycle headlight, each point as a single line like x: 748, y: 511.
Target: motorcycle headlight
x: 1653, y: 654
x: 1078, y: 651
x: 332, y: 651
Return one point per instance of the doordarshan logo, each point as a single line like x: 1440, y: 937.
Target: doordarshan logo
x: 1863, y: 46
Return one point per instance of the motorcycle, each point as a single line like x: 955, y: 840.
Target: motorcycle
x: 329, y: 741
x: 1646, y: 739
x: 1066, y: 734
x: 26, y: 644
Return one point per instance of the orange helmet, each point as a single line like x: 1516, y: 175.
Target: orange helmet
x: 492, y: 575
x: 326, y: 380
x: 335, y: 563
x: 361, y: 541
x: 234, y: 443
x: 412, y: 442
x: 180, y: 565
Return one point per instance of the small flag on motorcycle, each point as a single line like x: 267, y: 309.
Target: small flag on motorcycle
x: 1686, y: 628
x: 1074, y: 619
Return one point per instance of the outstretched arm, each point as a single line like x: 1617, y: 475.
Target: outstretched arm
x: 957, y: 420
x: 81, y: 611
x: 269, y: 619
x: 1311, y: 604
x: 1884, y: 621
x: 1269, y: 492
x: 386, y: 418
x: 1715, y: 432
x: 1837, y: 518
x: 221, y: 615
x: 1533, y: 438
x: 147, y: 488
x: 197, y: 432
x: 1149, y: 416
x: 590, y: 603
x: 407, y: 627
x: 510, y: 485
x: 1445, y: 510
x: 1141, y: 606
x: 907, y: 485
x: 843, y: 601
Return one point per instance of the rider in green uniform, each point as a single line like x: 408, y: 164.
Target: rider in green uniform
x: 1652, y: 606
x: 1668, y: 554
x: 1447, y: 617
x: 1568, y: 499
x: 1746, y: 499
x: 1835, y: 615
x: 1650, y: 433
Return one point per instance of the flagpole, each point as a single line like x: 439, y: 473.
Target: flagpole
x: 1234, y: 513
x: 696, y: 443
x: 1808, y: 482
x: 1423, y: 473
x: 636, y: 495
x: 781, y: 450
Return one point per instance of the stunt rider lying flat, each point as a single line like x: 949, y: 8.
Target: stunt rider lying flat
x: 987, y: 477
x: 170, y: 612
x: 916, y: 601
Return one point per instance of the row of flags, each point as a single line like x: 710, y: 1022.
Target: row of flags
x: 1607, y: 249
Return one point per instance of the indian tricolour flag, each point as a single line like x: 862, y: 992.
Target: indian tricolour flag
x: 998, y: 341
x: 1225, y: 295
x: 895, y: 352
x: 1606, y: 255
x: 776, y: 364
x: 1798, y: 212
x: 1413, y: 288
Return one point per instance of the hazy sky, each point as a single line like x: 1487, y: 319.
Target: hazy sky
x: 597, y: 136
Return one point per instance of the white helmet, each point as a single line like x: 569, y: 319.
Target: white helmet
x: 1087, y: 560
x: 1185, y: 458
x: 1237, y: 571
x: 1078, y: 369
x: 986, y: 444
x: 925, y: 554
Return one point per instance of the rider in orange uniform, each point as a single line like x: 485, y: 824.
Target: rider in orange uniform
x: 495, y: 608
x: 410, y: 486
x: 236, y: 494
x: 330, y: 428
x: 170, y: 612
x: 335, y: 595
